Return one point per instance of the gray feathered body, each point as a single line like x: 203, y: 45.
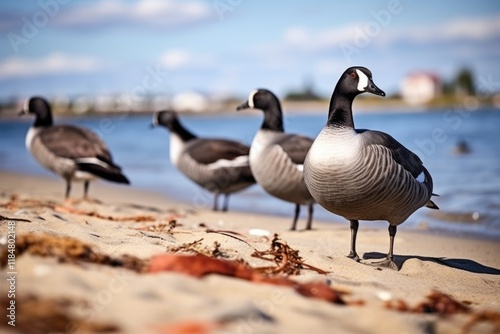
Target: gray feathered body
x: 366, y: 175
x: 218, y: 165
x: 58, y: 147
x: 72, y: 152
x: 276, y: 160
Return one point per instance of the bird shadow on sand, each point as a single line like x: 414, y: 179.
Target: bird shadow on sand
x: 462, y: 264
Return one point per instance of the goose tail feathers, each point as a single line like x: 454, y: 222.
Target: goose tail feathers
x: 109, y: 173
x: 432, y: 205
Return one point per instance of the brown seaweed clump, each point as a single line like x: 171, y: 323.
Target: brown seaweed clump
x: 67, y: 249
x: 437, y: 303
x: 287, y: 260
x: 200, y: 266
x: 196, y: 247
x: 16, y: 203
x: 444, y: 305
x: 35, y: 315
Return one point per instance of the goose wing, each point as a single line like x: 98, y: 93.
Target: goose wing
x: 295, y: 146
x: 72, y: 142
x: 207, y: 151
x: 400, y: 154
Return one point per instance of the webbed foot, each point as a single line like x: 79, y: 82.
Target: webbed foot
x: 88, y: 199
x: 354, y: 256
x: 385, y: 263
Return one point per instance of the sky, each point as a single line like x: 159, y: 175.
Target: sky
x: 229, y: 47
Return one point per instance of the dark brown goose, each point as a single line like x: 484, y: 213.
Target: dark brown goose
x: 364, y: 174
x: 218, y: 165
x: 276, y: 157
x: 74, y: 153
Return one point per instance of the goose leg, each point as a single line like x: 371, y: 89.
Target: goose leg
x: 85, y: 189
x: 388, y: 262
x: 297, y: 212
x: 392, y: 234
x: 86, y: 197
x: 226, y: 202
x: 68, y: 189
x: 310, y: 217
x: 354, y: 233
x: 216, y: 196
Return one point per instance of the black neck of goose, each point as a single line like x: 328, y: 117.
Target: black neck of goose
x: 181, y: 131
x: 340, y: 111
x: 273, y: 119
x: 43, y: 120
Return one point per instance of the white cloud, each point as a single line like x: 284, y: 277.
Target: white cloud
x: 474, y: 29
x: 152, y: 13
x: 55, y: 63
x: 318, y: 40
x: 176, y: 59
x: 329, y: 66
x: 471, y: 29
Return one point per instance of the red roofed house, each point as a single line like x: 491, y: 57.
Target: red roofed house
x: 420, y: 87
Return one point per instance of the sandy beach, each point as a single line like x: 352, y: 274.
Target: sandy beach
x: 134, y: 261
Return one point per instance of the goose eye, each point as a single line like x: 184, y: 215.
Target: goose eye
x: 353, y: 75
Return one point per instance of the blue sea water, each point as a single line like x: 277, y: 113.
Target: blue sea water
x: 468, y: 184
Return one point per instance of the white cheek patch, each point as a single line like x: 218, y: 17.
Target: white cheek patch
x: 26, y: 107
x: 155, y: 118
x: 363, y: 81
x: 251, y: 104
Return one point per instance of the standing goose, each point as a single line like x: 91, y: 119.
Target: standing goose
x: 364, y: 174
x: 218, y: 165
x: 74, y: 153
x: 277, y: 158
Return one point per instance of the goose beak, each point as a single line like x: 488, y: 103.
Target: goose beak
x: 22, y: 112
x: 372, y: 88
x: 242, y: 106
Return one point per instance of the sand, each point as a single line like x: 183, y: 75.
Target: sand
x: 128, y: 222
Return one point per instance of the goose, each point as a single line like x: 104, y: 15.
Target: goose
x: 276, y: 157
x: 72, y: 152
x: 218, y: 165
x: 364, y: 174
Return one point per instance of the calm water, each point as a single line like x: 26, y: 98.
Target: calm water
x: 469, y: 184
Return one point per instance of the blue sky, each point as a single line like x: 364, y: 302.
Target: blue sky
x: 70, y: 47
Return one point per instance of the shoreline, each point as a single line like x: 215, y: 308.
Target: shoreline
x: 136, y: 225
x: 289, y: 107
x: 335, y: 221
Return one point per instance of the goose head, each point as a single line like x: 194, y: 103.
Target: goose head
x: 165, y: 118
x: 39, y: 107
x: 357, y: 80
x: 354, y: 81
x: 262, y: 99
x: 169, y: 120
x: 266, y: 101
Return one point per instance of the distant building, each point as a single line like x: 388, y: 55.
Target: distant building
x: 189, y: 101
x: 420, y: 87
